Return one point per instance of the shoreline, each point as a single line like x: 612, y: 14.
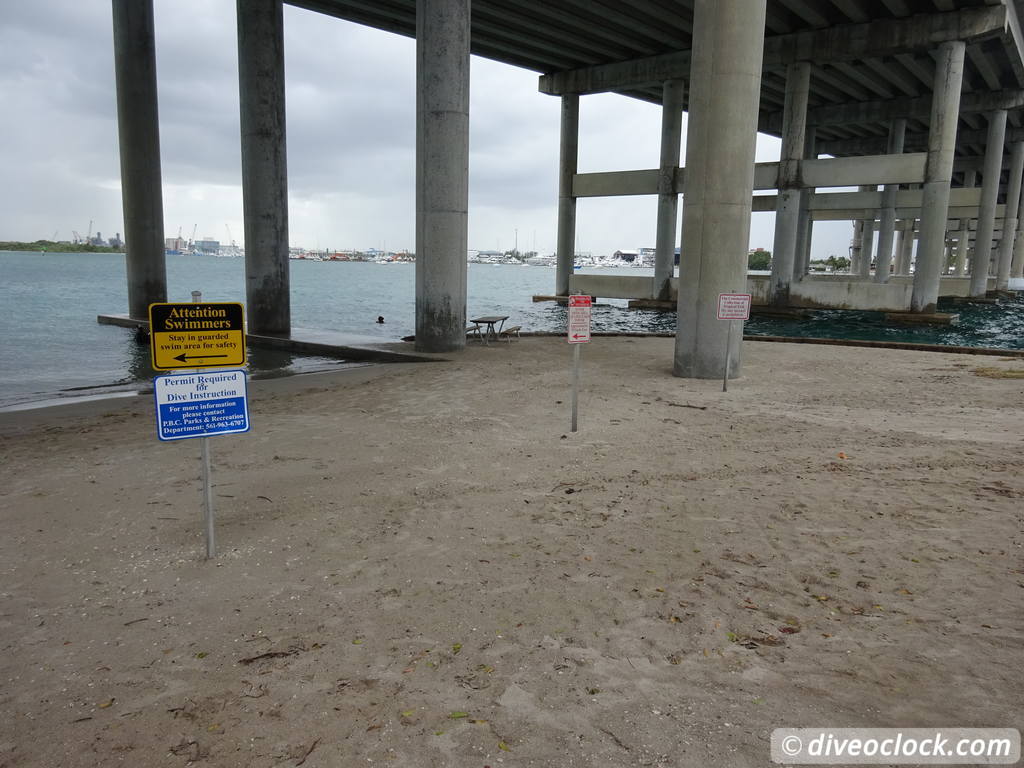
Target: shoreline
x: 420, y: 565
x: 143, y: 388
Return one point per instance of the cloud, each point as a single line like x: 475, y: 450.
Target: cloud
x: 351, y: 100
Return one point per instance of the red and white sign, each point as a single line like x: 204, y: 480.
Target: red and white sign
x: 733, y: 306
x: 579, y: 319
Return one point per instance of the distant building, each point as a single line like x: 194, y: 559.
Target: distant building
x: 211, y: 247
x: 116, y: 241
x: 175, y: 244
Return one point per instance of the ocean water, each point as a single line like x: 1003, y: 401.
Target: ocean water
x: 52, y: 348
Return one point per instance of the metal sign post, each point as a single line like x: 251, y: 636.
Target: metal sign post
x: 204, y: 457
x: 199, y: 404
x: 579, y: 333
x: 728, y: 348
x: 731, y: 306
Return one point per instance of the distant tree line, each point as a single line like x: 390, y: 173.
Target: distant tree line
x: 49, y: 246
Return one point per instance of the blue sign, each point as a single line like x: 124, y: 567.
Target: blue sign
x: 200, y: 404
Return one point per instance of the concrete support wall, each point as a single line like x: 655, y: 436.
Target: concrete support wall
x: 887, y: 227
x: 1005, y: 260
x: 989, y: 197
x: 673, y: 92
x: 138, y: 129
x: 949, y: 69
x: 725, y: 79
x: 787, y: 208
x: 568, y: 159
x: 264, y: 165
x: 442, y: 173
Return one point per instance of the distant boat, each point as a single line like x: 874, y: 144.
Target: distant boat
x: 541, y: 261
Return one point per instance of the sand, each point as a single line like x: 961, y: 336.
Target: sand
x: 420, y: 565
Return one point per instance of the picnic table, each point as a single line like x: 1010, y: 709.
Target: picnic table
x: 493, y: 323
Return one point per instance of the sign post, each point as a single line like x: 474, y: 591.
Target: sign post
x: 579, y: 333
x: 731, y: 306
x: 199, y: 404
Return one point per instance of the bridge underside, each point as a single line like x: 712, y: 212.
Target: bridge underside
x: 918, y: 104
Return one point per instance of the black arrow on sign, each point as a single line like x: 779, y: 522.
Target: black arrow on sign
x: 183, y: 357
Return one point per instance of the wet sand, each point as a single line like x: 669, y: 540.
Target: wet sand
x: 421, y: 566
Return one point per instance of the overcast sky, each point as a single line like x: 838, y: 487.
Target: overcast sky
x: 351, y: 136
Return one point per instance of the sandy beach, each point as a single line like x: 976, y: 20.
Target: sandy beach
x: 420, y: 565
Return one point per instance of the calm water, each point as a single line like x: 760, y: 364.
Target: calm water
x: 51, y: 345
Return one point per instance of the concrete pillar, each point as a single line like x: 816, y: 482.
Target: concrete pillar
x: 787, y: 209
x: 906, y: 254
x: 962, y: 240
x: 725, y: 84
x: 867, y: 239
x: 856, y: 246
x: 989, y: 196
x: 568, y: 158
x: 805, y: 225
x: 264, y: 165
x: 964, y: 236
x: 901, y: 242
x: 1017, y: 266
x: 887, y: 226
x: 672, y: 92
x: 138, y: 128
x: 1005, y: 263
x: 442, y: 173
x: 949, y: 70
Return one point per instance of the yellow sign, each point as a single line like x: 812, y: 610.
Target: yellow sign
x: 196, y: 335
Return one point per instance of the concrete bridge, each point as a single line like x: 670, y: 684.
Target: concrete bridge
x: 917, y: 103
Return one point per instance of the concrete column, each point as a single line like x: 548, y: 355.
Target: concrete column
x: 1017, y: 266
x: 442, y: 173
x: 949, y: 70
x: 887, y: 226
x: 901, y: 242
x: 787, y: 209
x: 264, y: 165
x: 568, y: 158
x: 805, y: 225
x: 962, y: 239
x: 672, y: 92
x: 964, y: 236
x: 1005, y: 263
x: 906, y: 254
x: 990, y: 174
x: 867, y: 236
x: 138, y: 128
x: 856, y: 247
x: 725, y: 84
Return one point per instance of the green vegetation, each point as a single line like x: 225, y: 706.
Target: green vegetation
x: 48, y: 246
x: 837, y: 263
x: 759, y: 259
